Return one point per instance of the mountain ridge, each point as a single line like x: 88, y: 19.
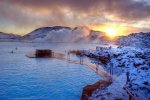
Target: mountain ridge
x: 8, y: 36
x: 77, y: 34
x: 135, y: 39
x: 64, y: 34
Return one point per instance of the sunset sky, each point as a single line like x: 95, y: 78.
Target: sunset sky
x: 124, y: 16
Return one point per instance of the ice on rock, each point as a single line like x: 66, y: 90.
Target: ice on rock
x: 136, y: 61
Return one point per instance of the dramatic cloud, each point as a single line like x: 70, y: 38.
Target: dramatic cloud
x: 31, y: 14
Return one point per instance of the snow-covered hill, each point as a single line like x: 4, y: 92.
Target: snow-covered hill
x: 62, y: 34
x: 136, y: 39
x: 8, y: 37
x: 42, y: 32
x: 77, y: 34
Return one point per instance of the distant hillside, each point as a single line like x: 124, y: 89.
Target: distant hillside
x: 135, y: 39
x: 77, y: 34
x: 42, y: 32
x: 8, y: 37
x: 62, y: 34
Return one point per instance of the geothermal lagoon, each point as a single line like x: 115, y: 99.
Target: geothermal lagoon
x: 42, y: 78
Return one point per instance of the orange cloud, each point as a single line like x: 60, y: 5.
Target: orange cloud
x: 26, y: 15
x: 120, y: 29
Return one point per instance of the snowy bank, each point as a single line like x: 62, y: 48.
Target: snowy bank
x: 135, y: 61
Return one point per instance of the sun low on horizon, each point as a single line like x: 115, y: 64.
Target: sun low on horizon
x: 75, y: 49
x: 111, y: 32
x: 120, y: 17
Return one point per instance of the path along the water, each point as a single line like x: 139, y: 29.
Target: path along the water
x: 118, y: 83
x: 99, y: 69
x: 94, y: 67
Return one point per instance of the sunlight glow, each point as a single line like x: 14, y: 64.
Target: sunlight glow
x: 112, y: 32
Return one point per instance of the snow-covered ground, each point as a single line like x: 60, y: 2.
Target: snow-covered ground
x: 108, y: 93
x: 135, y: 39
x: 135, y: 61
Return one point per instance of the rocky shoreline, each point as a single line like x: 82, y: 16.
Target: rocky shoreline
x: 89, y: 89
x: 123, y: 60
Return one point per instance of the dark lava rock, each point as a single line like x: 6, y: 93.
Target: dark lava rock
x: 118, y: 98
x: 138, y: 64
x: 89, y: 89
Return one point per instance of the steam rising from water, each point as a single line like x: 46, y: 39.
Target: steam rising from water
x: 78, y: 34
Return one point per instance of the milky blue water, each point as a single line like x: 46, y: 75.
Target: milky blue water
x: 41, y: 79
